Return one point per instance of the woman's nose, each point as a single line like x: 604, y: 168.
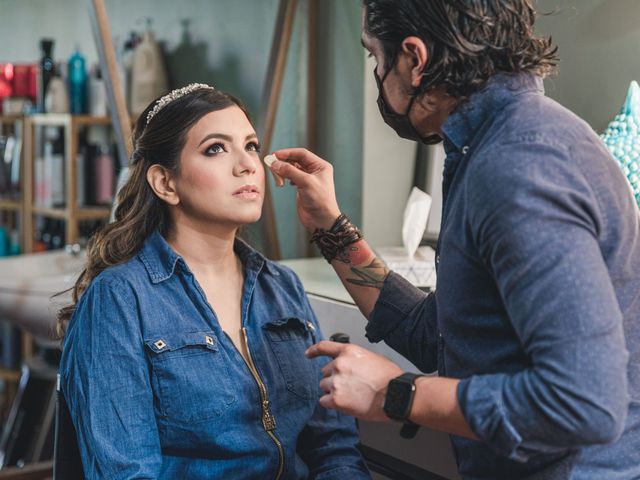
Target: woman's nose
x: 247, y: 163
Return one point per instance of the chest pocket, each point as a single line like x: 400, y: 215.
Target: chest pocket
x: 190, y: 375
x: 288, y: 339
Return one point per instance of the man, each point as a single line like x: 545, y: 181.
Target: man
x: 534, y: 327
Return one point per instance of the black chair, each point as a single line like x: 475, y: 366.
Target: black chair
x: 67, y: 464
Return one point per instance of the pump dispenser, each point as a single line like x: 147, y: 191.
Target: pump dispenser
x: 148, y: 76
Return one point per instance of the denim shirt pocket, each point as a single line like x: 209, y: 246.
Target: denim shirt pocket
x: 190, y: 376
x: 289, y: 338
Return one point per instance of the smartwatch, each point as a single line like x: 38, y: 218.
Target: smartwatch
x: 398, y: 402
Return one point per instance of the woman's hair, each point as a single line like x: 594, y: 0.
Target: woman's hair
x: 140, y: 211
x: 469, y: 41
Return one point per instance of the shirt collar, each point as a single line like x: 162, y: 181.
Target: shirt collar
x: 160, y: 259
x: 460, y: 128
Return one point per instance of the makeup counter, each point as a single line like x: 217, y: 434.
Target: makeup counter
x: 429, y: 455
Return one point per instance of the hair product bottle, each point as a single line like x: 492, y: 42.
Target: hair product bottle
x: 47, y: 68
x: 57, y: 98
x: 148, y: 76
x: 77, y: 83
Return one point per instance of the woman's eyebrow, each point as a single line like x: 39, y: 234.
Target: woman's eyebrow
x: 225, y: 137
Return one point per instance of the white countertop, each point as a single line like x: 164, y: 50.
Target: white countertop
x: 319, y: 278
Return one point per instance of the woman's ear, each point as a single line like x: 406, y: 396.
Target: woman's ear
x: 418, y: 55
x: 162, y: 184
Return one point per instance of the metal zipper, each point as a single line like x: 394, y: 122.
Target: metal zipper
x: 268, y: 420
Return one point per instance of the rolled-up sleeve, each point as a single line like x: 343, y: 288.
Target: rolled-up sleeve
x: 405, y: 317
x: 105, y: 379
x: 537, y: 225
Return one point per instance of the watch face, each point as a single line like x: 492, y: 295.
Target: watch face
x: 397, y: 401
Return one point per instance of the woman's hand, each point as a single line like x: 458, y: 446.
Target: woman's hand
x: 313, y: 178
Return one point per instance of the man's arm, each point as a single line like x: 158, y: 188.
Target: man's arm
x: 360, y: 271
x: 398, y: 312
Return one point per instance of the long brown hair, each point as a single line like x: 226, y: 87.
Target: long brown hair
x: 140, y: 212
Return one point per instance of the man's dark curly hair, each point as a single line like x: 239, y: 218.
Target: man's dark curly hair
x: 469, y: 41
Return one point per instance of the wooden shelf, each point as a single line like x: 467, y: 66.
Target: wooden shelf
x: 7, y: 119
x: 65, y: 119
x: 49, y: 212
x: 10, y: 375
x: 89, y: 120
x: 82, y: 213
x: 12, y: 205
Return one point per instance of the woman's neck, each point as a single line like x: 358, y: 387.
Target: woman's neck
x: 208, y: 254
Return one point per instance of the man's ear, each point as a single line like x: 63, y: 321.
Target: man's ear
x: 418, y: 55
x: 161, y: 182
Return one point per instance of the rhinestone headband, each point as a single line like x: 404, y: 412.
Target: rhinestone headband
x: 174, y: 95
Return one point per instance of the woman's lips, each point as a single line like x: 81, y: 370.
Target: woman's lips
x: 247, y: 192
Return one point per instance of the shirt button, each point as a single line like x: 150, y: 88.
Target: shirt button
x: 438, y: 260
x: 465, y: 149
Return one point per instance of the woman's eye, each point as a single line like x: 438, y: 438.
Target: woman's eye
x: 253, y: 147
x: 214, y: 149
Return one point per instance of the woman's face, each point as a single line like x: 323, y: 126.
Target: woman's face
x: 221, y: 177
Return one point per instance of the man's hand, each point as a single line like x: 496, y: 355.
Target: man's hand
x: 313, y: 177
x: 355, y: 381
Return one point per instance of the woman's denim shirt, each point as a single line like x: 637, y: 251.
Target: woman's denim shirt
x: 156, y: 389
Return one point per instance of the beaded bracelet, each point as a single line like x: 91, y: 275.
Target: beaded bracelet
x: 333, y: 242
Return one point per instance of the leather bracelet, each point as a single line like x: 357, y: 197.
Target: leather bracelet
x: 333, y: 242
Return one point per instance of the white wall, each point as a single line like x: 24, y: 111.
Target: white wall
x: 387, y: 171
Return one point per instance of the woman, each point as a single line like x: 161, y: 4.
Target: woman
x: 184, y: 353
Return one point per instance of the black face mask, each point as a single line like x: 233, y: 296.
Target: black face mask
x: 401, y: 123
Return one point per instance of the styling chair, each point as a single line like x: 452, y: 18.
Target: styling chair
x: 67, y: 464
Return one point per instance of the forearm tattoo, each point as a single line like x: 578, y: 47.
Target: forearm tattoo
x: 366, y: 271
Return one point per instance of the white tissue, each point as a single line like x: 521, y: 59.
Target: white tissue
x: 414, y: 222
x: 269, y: 159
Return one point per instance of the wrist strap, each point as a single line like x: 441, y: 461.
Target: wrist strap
x: 333, y: 242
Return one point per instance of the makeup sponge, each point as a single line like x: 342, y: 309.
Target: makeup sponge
x: 269, y: 159
x: 622, y: 138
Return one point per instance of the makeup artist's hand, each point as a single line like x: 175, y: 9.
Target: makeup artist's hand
x: 355, y: 381
x: 313, y: 178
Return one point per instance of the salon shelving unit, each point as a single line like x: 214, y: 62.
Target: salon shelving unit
x: 71, y: 213
x: 24, y: 208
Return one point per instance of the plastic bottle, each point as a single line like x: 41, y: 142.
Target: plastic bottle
x: 57, y: 98
x: 47, y: 68
x: 4, y: 242
x: 105, y: 176
x: 97, y: 94
x: 77, y: 83
x: 148, y: 76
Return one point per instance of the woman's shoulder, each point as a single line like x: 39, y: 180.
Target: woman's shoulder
x: 284, y: 274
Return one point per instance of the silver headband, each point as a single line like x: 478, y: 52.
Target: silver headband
x: 174, y: 95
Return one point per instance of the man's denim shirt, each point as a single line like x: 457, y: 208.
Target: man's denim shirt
x: 158, y: 391
x: 537, y: 306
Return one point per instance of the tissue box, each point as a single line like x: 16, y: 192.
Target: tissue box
x: 420, y: 271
